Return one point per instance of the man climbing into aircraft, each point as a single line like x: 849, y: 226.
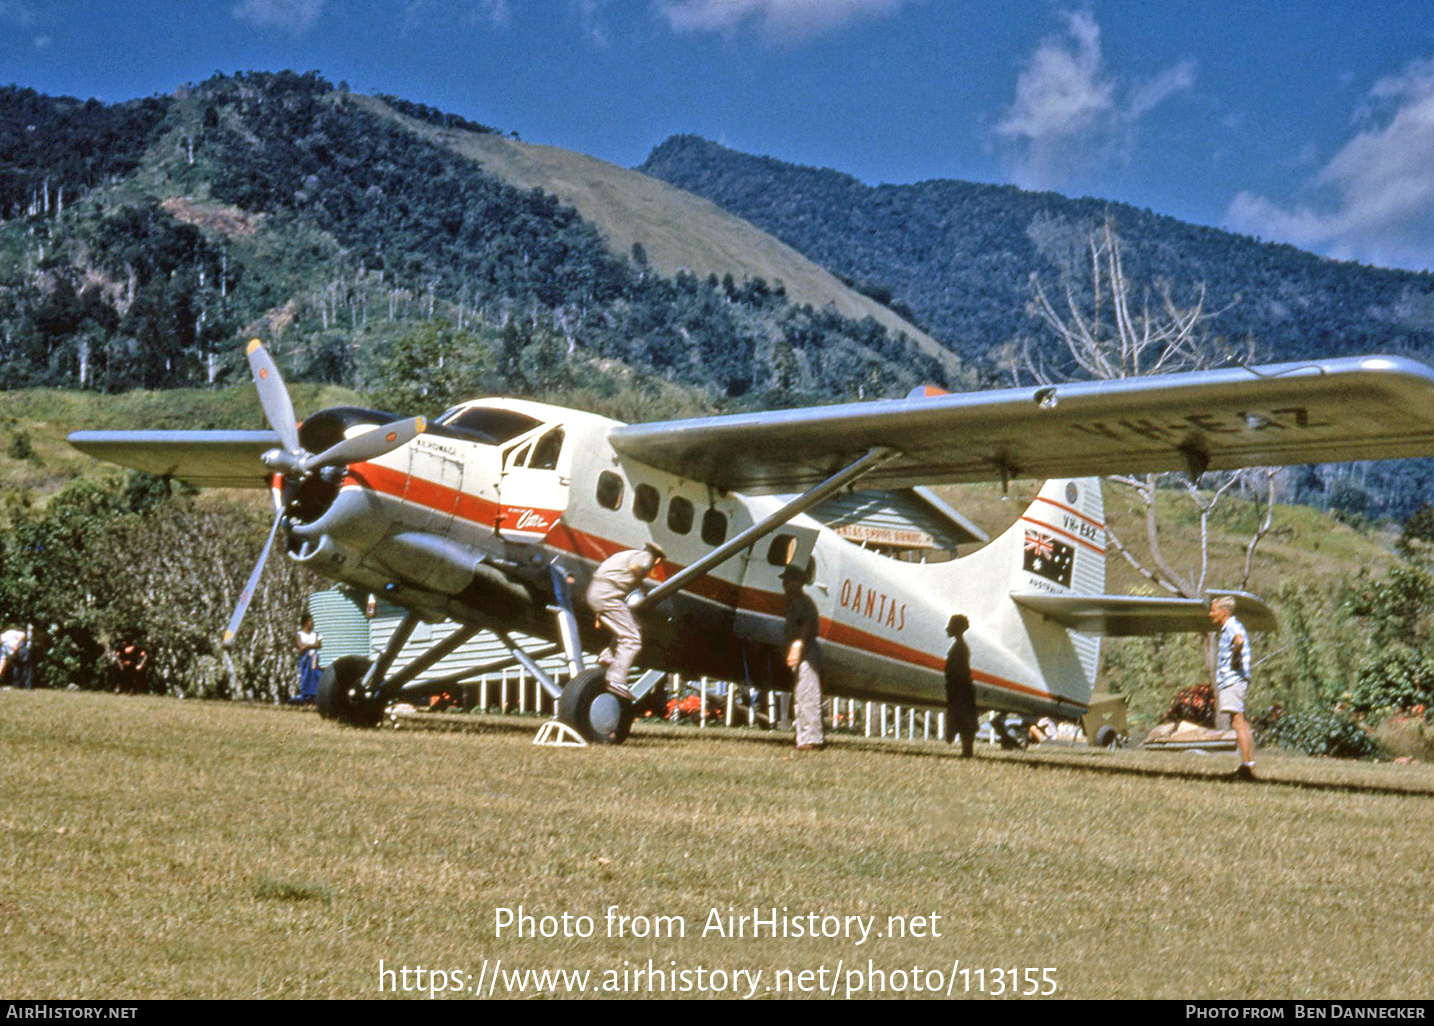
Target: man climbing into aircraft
x: 960, y: 693
x: 804, y: 659
x: 1232, y: 678
x: 613, y: 581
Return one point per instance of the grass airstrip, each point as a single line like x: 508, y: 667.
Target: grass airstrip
x: 155, y: 848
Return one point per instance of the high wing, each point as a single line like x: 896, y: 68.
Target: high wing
x: 208, y: 459
x: 1357, y: 408
x: 1124, y: 616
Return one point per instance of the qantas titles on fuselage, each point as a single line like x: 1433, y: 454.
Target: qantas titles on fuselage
x: 874, y: 605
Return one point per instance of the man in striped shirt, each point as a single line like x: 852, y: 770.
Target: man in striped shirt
x: 1232, y: 678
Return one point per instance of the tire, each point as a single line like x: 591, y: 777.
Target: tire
x: 594, y: 712
x: 1106, y: 737
x: 335, y: 698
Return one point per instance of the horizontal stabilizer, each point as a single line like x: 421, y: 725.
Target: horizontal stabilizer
x: 1121, y: 616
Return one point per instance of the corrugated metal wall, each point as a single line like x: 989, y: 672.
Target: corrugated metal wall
x: 339, y: 618
x: 347, y: 632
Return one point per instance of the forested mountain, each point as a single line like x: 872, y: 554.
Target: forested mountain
x: 419, y: 257
x: 960, y: 256
x: 142, y: 242
x: 959, y: 259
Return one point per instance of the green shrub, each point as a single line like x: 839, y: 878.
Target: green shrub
x: 1323, y: 732
x: 1395, y: 678
x: 20, y: 447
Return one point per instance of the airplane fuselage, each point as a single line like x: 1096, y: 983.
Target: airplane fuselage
x: 464, y: 521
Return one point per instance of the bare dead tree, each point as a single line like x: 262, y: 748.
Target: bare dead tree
x: 1110, y: 326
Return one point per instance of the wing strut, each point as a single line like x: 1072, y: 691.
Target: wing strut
x: 874, y: 458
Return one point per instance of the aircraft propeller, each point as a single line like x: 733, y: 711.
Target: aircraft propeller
x: 295, y: 465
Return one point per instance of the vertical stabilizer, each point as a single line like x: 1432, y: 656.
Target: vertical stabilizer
x: 1063, y: 551
x: 1056, y: 546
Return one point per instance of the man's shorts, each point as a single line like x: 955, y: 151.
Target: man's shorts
x: 1231, y: 696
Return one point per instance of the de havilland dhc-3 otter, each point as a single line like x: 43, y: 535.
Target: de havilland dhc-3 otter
x: 496, y: 513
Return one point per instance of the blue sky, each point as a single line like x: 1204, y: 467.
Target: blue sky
x: 1304, y: 121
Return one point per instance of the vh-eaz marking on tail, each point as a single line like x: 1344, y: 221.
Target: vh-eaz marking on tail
x: 495, y: 514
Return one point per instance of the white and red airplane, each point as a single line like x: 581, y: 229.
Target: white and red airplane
x: 495, y: 514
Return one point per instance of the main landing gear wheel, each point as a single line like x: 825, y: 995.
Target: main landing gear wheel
x: 592, y: 710
x: 336, y: 698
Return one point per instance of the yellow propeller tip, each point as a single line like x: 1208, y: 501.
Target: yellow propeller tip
x: 254, y: 344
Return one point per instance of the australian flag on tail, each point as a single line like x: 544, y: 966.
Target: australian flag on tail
x: 1049, y: 558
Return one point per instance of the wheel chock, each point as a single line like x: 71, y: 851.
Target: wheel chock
x: 557, y: 734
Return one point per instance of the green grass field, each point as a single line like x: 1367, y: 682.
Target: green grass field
x: 157, y: 848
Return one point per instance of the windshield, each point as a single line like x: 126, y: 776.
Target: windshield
x: 489, y: 424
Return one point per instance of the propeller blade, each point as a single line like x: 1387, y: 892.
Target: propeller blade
x: 247, y: 594
x: 370, y: 445
x: 273, y: 396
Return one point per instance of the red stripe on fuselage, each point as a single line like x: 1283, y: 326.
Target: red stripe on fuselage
x: 470, y: 507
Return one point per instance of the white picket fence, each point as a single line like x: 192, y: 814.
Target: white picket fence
x: 516, y: 692
x: 348, y: 632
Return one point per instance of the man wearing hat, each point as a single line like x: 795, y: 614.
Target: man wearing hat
x: 804, y: 658
x: 960, y: 692
x: 613, y: 581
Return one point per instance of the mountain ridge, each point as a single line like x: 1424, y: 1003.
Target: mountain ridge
x: 960, y: 255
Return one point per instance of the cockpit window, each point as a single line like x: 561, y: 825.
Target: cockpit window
x: 520, y: 457
x: 546, y: 452
x: 490, y: 425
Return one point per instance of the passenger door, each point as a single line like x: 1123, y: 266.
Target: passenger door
x: 533, y: 491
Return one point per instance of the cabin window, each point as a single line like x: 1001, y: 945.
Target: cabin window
x: 645, y: 502
x: 782, y: 550
x: 714, y: 527
x: 679, y: 515
x: 609, y: 490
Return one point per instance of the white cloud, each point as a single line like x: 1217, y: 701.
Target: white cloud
x: 1071, y: 113
x: 17, y: 12
x: 427, y: 14
x: 776, y: 20
x: 589, y: 12
x: 296, y: 16
x: 1378, y: 190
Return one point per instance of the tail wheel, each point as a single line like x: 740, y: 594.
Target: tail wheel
x: 337, y: 700
x: 593, y: 711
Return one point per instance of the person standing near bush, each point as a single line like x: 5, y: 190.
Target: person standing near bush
x: 15, y: 658
x: 1232, y: 678
x: 310, y: 641
x: 130, y: 665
